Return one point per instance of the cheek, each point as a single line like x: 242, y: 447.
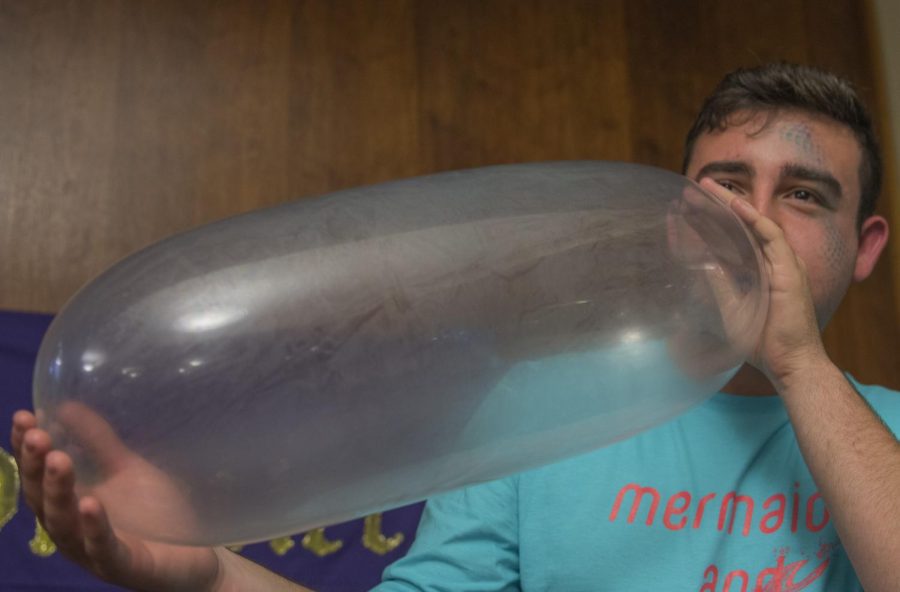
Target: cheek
x: 827, y: 253
x: 837, y: 250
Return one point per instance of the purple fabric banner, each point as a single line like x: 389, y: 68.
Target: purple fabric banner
x: 346, y: 557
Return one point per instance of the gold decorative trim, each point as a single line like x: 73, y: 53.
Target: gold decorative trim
x: 282, y: 545
x: 316, y: 542
x: 41, y: 545
x: 375, y: 541
x: 9, y: 487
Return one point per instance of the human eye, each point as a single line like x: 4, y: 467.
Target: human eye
x: 728, y: 184
x: 805, y: 195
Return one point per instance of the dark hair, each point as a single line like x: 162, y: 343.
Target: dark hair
x: 789, y: 86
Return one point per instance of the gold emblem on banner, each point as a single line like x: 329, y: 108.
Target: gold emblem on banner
x: 316, y: 542
x: 375, y: 541
x: 9, y: 487
x: 41, y: 545
x: 281, y: 545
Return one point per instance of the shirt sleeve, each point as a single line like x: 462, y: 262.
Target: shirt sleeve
x: 885, y: 402
x: 467, y: 540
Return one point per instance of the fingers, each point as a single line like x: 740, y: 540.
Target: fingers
x: 60, y: 513
x: 101, y: 545
x: 702, y: 228
x: 717, y: 190
x: 47, y: 482
x: 98, y: 534
x: 782, y: 259
x: 33, y: 451
x: 22, y: 422
x: 765, y: 229
x: 771, y: 237
x: 79, y: 528
x: 48, y: 485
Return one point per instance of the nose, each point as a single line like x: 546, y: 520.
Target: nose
x: 761, y: 199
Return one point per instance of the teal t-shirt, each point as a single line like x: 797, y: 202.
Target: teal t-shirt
x: 718, y: 499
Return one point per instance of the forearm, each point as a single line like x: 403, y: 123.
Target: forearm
x: 855, y: 461
x: 237, y: 574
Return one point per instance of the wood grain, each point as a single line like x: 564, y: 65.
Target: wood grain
x: 124, y: 121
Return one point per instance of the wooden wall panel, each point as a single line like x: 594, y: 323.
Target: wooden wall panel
x: 865, y: 333
x: 882, y: 23
x: 354, y: 94
x: 58, y: 138
x: 522, y: 81
x: 123, y: 121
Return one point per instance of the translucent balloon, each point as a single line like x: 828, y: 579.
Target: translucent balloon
x: 317, y: 361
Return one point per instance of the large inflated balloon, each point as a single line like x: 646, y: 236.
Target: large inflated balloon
x: 316, y: 361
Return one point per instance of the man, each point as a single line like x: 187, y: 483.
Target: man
x: 748, y: 491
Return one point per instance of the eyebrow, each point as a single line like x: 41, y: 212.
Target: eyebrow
x: 805, y: 173
x: 734, y: 167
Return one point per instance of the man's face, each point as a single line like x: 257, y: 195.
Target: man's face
x: 802, y: 172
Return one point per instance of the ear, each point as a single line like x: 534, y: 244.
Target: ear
x: 872, y: 239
